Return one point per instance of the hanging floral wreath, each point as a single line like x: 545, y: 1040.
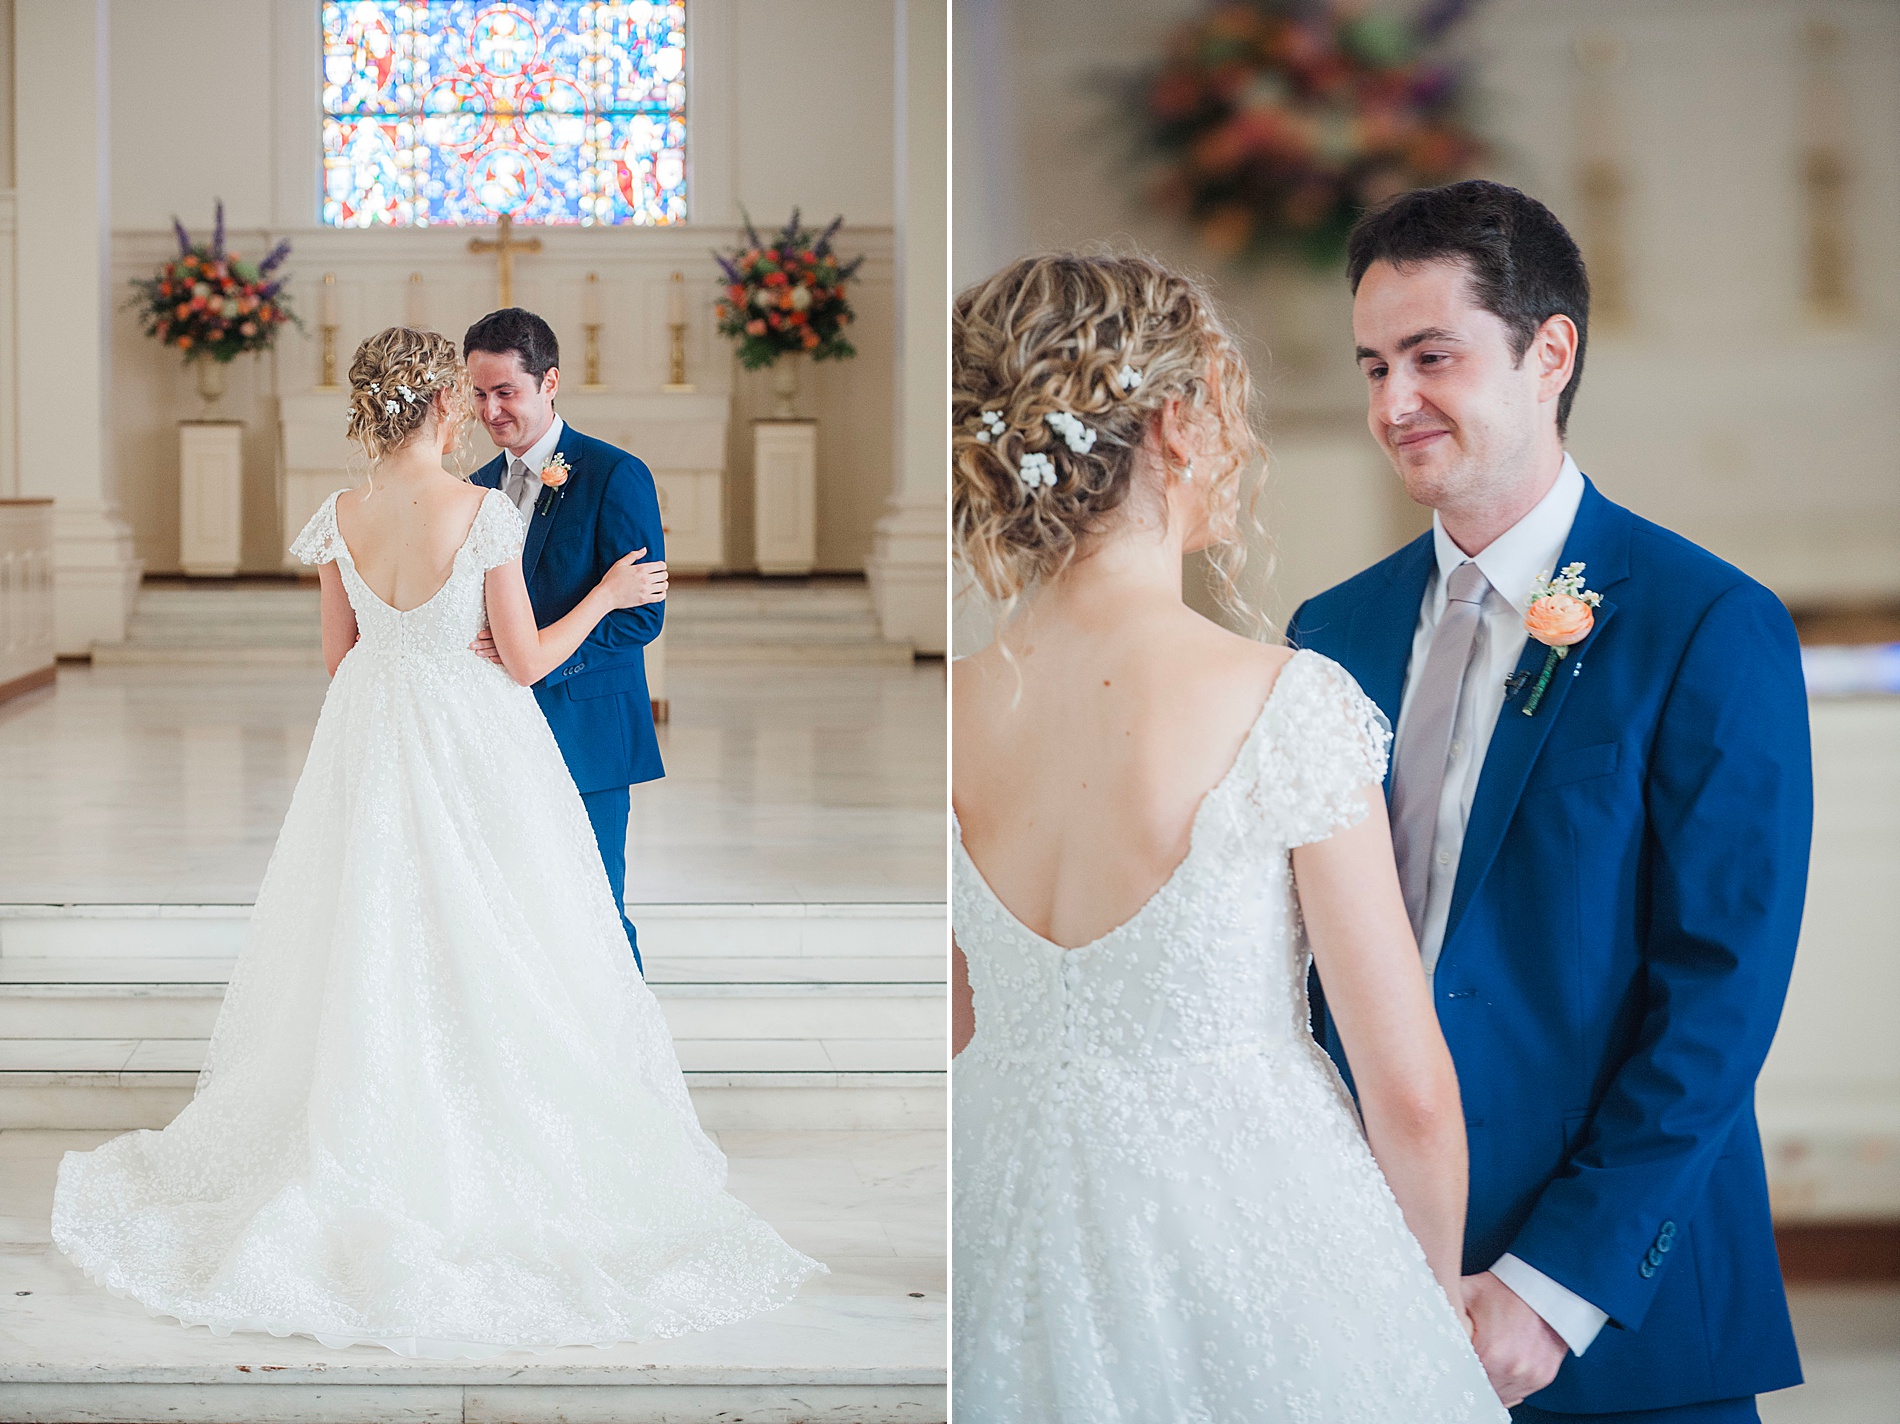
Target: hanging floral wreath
x: 1277, y: 122
x: 785, y: 295
x: 211, y: 303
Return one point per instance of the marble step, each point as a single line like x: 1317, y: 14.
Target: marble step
x: 786, y: 1021
x: 713, y: 622
x: 823, y: 1016
x: 669, y: 933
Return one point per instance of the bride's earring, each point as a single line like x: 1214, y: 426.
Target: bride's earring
x: 1188, y: 474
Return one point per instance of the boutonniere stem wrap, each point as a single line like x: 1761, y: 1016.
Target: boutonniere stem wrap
x: 554, y: 476
x: 1561, y: 614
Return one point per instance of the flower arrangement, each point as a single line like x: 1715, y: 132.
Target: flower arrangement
x: 1277, y: 122
x: 786, y: 296
x: 210, y: 303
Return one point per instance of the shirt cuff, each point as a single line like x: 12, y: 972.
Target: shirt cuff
x: 1562, y: 1309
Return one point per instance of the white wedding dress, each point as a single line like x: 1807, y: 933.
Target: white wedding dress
x: 441, y: 1111
x: 1164, y: 1209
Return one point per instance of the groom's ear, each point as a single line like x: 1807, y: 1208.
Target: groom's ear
x: 1554, y: 350
x: 551, y: 381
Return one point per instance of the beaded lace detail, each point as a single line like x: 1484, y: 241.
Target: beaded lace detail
x: 440, y: 1111
x: 1164, y: 1207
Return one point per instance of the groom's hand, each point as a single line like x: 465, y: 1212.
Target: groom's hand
x: 1520, y: 1352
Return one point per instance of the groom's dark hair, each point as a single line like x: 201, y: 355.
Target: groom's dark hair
x: 1524, y: 266
x: 518, y: 330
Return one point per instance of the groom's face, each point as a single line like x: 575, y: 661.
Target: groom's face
x: 1453, y: 410
x: 513, y: 407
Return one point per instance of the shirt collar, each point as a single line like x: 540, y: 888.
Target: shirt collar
x: 538, y: 452
x: 1525, y: 552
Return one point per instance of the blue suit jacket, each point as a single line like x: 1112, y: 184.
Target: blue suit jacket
x: 1622, y: 930
x: 596, y: 702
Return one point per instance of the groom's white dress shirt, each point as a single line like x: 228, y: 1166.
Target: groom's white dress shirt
x: 1511, y: 563
x: 521, y: 480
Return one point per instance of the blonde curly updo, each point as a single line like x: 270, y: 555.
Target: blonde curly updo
x: 394, y: 381
x: 1108, y: 341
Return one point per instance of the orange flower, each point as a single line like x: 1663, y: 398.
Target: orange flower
x: 1559, y: 620
x: 554, y: 474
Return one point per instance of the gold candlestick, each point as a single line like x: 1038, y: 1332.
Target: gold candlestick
x: 590, y: 323
x: 326, y: 328
x: 592, y: 366
x: 676, y: 382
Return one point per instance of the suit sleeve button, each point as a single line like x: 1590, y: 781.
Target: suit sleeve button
x: 1646, y: 1270
x: 1654, y: 1257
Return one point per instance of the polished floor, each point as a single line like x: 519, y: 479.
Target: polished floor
x: 1850, y: 1355
x: 785, y: 784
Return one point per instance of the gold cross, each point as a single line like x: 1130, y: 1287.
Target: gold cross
x: 505, y: 248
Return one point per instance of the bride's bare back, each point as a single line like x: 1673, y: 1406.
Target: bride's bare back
x: 1076, y: 785
x: 403, y: 534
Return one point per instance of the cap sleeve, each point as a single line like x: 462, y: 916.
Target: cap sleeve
x: 320, y: 543
x: 500, y: 531
x: 1329, y: 741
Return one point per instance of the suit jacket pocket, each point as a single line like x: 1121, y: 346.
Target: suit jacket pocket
x: 628, y: 677
x: 1577, y: 764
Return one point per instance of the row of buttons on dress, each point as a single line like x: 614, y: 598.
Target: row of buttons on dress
x: 1654, y: 1256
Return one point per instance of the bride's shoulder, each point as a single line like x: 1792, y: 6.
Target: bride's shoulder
x: 1202, y: 656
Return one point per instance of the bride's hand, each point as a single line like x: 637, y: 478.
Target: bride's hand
x: 630, y: 583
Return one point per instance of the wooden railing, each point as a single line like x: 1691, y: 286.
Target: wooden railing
x: 26, y: 595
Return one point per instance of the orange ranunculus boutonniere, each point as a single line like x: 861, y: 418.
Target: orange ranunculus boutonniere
x: 1561, y: 614
x: 553, y: 477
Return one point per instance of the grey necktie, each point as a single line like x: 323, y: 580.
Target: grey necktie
x: 1418, y: 765
x: 515, y: 486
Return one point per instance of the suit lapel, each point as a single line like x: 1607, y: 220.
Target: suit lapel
x: 1599, y: 540
x: 1381, y: 642
x: 567, y: 446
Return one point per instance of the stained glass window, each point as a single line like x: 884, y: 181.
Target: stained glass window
x: 458, y: 111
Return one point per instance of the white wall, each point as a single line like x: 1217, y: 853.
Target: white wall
x: 789, y: 104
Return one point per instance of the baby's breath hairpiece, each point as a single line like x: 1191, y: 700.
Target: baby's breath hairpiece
x: 993, y: 425
x: 1127, y: 378
x: 1077, y: 436
x: 1037, y: 471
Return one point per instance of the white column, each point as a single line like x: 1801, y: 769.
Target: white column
x: 60, y: 85
x: 908, y: 564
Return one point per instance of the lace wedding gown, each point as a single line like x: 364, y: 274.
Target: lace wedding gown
x: 1164, y: 1210
x: 440, y: 1111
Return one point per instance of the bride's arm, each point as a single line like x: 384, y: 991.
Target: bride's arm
x: 339, y: 619
x: 1377, y: 992
x: 530, y: 653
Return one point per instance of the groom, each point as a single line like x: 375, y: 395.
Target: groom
x: 587, y: 504
x: 1605, y: 877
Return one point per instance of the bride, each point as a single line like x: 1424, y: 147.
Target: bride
x: 1164, y: 1205
x: 440, y: 1111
